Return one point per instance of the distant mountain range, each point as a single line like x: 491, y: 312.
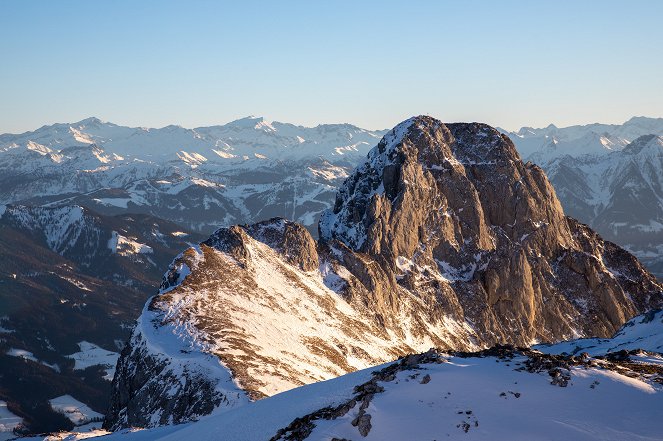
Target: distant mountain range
x: 250, y: 170
x: 201, y: 178
x: 608, y: 176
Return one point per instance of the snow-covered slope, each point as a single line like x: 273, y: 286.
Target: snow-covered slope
x: 499, y: 393
x: 642, y: 332
x: 280, y: 326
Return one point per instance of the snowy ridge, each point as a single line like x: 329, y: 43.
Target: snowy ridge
x: 498, y: 393
x: 249, y: 137
x: 297, y: 327
x: 580, y: 140
x: 182, y: 358
x: 62, y: 227
x: 644, y: 332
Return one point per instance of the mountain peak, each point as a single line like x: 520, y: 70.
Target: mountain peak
x: 413, y: 152
x: 644, y: 142
x: 93, y: 120
x: 247, y: 121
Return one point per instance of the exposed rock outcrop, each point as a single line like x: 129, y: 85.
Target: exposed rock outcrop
x: 442, y: 238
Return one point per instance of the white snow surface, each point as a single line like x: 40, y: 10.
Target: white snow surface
x: 78, y: 413
x: 125, y: 246
x: 8, y: 422
x: 642, y: 332
x: 466, y: 394
x: 464, y: 398
x: 92, y: 355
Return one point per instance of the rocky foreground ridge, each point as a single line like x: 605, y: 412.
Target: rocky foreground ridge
x: 442, y: 238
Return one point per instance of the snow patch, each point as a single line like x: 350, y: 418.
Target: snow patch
x: 127, y: 246
x: 92, y: 355
x: 27, y: 355
x: 78, y: 413
x: 8, y: 422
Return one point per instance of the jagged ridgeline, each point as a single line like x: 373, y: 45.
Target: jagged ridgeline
x: 443, y: 238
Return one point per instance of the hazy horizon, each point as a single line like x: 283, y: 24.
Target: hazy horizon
x: 271, y: 120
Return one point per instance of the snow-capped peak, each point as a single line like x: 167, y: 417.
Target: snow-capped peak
x: 646, y: 142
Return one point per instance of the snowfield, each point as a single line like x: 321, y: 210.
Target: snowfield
x: 500, y: 393
x: 29, y: 356
x: 454, y: 397
x: 77, y: 412
x: 92, y: 355
x: 8, y: 422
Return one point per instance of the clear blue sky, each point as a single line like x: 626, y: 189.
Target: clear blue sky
x: 371, y: 63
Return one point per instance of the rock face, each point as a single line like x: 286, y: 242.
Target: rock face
x: 455, y: 201
x: 443, y: 237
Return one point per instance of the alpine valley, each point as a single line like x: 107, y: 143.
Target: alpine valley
x: 301, y: 262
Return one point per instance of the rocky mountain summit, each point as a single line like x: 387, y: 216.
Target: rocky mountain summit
x: 442, y: 238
